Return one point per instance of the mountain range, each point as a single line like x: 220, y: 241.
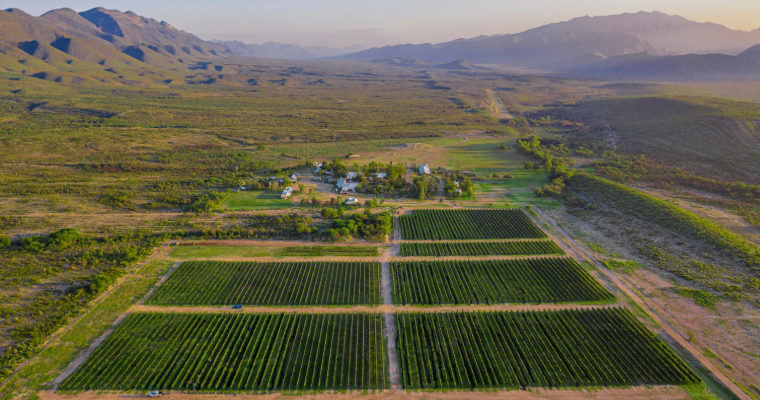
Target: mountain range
x: 640, y: 46
x: 100, y: 45
x: 115, y: 47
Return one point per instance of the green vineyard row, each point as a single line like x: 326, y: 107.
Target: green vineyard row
x: 275, y: 283
x: 531, y: 280
x: 238, y: 353
x: 601, y: 347
x: 443, y: 249
x: 468, y: 224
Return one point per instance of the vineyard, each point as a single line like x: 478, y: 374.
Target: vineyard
x: 468, y: 224
x: 275, y: 283
x: 238, y: 353
x: 443, y: 249
x: 534, y: 280
x: 601, y: 347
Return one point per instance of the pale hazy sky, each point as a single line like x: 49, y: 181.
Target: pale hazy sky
x: 385, y: 22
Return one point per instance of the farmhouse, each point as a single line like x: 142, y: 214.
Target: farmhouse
x: 353, y: 156
x: 286, y: 193
x: 424, y: 169
x: 349, y: 187
x: 294, y: 177
x: 351, y: 202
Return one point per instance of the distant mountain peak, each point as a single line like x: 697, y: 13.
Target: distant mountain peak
x: 752, y: 54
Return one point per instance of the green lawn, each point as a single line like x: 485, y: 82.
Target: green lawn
x: 210, y: 252
x: 319, y: 251
x: 252, y: 200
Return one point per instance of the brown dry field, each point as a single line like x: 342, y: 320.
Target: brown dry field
x: 636, y: 393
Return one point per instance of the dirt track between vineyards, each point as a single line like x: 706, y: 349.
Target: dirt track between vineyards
x: 634, y: 393
x: 384, y: 309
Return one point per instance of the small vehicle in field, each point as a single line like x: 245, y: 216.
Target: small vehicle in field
x: 155, y: 393
x: 237, y: 307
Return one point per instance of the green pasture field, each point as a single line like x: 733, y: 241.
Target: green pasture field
x: 212, y: 252
x: 336, y: 251
x: 255, y: 200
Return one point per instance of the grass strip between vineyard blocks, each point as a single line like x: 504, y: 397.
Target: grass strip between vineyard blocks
x: 215, y: 283
x: 203, y: 353
x: 509, y: 350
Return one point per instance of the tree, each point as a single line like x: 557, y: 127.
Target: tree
x: 538, y: 192
x: 548, y: 164
x: 449, y: 187
x: 421, y: 188
x: 5, y: 241
x: 528, y: 165
x: 287, y: 182
x: 338, y: 168
x: 467, y: 188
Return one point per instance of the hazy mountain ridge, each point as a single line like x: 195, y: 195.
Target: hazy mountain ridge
x: 460, y: 64
x: 626, y: 46
x: 752, y: 54
x: 671, y: 33
x: 530, y: 48
x: 286, y: 51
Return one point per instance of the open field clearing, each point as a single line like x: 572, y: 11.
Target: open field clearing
x: 238, y: 353
x: 335, y: 251
x: 597, y: 348
x: 443, y: 249
x: 210, y: 252
x: 468, y: 224
x: 256, y: 200
x: 272, y: 250
x: 535, y: 280
x: 270, y: 283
